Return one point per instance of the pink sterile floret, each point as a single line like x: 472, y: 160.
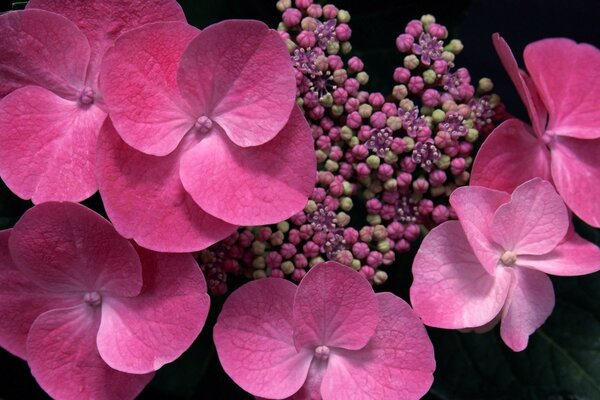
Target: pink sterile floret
x: 51, y: 109
x: 206, y: 134
x: 562, y: 96
x: 331, y: 337
x: 492, y: 263
x: 93, y: 315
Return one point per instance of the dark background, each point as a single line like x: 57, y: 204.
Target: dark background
x: 563, y: 357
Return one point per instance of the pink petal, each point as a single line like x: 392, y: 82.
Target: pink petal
x: 48, y: 145
x: 22, y: 301
x: 398, y: 362
x: 335, y: 306
x: 141, y: 334
x: 68, y: 247
x: 576, y: 175
x: 62, y: 355
x: 254, y: 339
x: 44, y: 49
x: 312, y: 387
x: 574, y: 256
x: 239, y: 74
x: 451, y: 289
x: 563, y: 72
x: 252, y: 185
x: 529, y: 303
x: 146, y: 201
x: 510, y: 156
x: 103, y: 21
x: 139, y: 83
x: 527, y: 91
x: 475, y: 207
x: 533, y: 222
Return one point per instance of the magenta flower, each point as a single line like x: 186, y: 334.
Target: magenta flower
x: 51, y: 109
x: 93, y: 315
x: 562, y: 96
x: 206, y: 134
x: 492, y: 263
x: 331, y: 337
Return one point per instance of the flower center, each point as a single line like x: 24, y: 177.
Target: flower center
x: 203, y: 124
x: 322, y: 352
x: 548, y: 137
x: 508, y: 258
x: 86, y: 97
x: 93, y: 299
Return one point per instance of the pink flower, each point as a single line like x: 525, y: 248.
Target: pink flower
x: 51, y: 109
x: 331, y: 337
x: 562, y: 96
x: 206, y: 134
x: 93, y: 315
x: 492, y: 263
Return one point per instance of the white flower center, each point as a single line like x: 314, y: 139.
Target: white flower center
x: 508, y: 258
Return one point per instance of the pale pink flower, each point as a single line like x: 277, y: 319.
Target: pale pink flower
x: 331, y: 337
x: 206, y: 134
x: 93, y: 315
x: 51, y: 109
x: 492, y: 262
x: 562, y: 96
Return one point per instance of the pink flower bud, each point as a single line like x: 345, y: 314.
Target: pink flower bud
x: 412, y: 232
x: 404, y: 42
x: 360, y: 152
x: 300, y: 261
x: 291, y: 17
x: 457, y: 166
x: 437, y: 30
x: 430, y: 98
x: 376, y: 99
x: 298, y: 274
x: 373, y: 206
x: 331, y: 203
x: 440, y: 67
x: 367, y: 272
x: 385, y: 172
x: 390, y: 109
x: 437, y: 178
x: 398, y: 146
x: 404, y: 179
x: 363, y: 170
x: 378, y: 120
x: 303, y: 3
x: 420, y: 185
x: 351, y: 85
x: 374, y: 259
x: 315, y: 10
x: 355, y: 64
x: 318, y: 194
x: 416, y: 84
x: 354, y: 120
x: 401, y: 75
x: 273, y: 259
x: 352, y: 104
x: 335, y: 62
x: 306, y: 39
x: 414, y: 28
x: 340, y: 96
x: 360, y: 250
x: 350, y: 236
x: 440, y: 214
x: 330, y: 11
x: 310, y: 249
x: 343, y: 32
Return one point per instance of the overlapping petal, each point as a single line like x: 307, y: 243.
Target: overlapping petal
x: 533, y: 222
x: 254, y: 339
x: 530, y: 302
x: 565, y: 75
x: 510, y: 156
x: 576, y: 175
x: 141, y: 334
x: 65, y: 247
x: 451, y: 289
x: 139, y: 83
x: 63, y: 357
x: 335, y: 307
x: 475, y: 207
x: 397, y: 363
x: 239, y: 74
x: 145, y: 199
x: 262, y: 184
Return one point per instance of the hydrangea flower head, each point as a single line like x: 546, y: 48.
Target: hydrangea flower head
x: 562, y: 146
x: 206, y: 134
x: 330, y: 337
x: 492, y: 263
x: 51, y: 109
x: 93, y: 315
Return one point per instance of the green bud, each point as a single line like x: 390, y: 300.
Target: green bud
x: 300, y: 101
x: 406, y: 104
x: 362, y: 77
x: 259, y: 263
x: 462, y: 179
x: 277, y: 237
x: 373, y: 161
x: 380, y: 277
x: 291, y: 46
x: 310, y: 207
x: 365, y: 110
x: 390, y: 185
x: 400, y: 92
x: 472, y: 135
x: 390, y: 157
x: 287, y: 267
x: 353, y: 141
x: 258, y: 248
x: 411, y: 62
x: 283, y: 5
x: 321, y: 156
x: 494, y: 100
x: 383, y: 246
x: 258, y: 274
x: 373, y: 219
x: 468, y: 123
x: 448, y: 56
x: 337, y: 110
x: 449, y: 105
x: 346, y: 47
x: 376, y: 186
x: 365, y: 181
x: 346, y: 203
x: 485, y: 85
x: 346, y: 133
x: 394, y: 123
x: 438, y: 116
x: 368, y: 195
x: 410, y: 143
x: 468, y: 161
x: 347, y: 188
x: 331, y: 166
x: 426, y: 111
x: 355, y: 264
x: 343, y: 16
x: 429, y: 76
x: 455, y: 46
x: 443, y: 162
x: 308, y: 24
x: 315, y: 261
x: 340, y: 76
x: 437, y: 191
x: 379, y: 233
x: 283, y: 226
x: 342, y: 218
x: 326, y: 100
x: 333, y: 47
x: 427, y: 19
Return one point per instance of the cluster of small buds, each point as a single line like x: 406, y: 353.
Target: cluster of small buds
x: 398, y: 156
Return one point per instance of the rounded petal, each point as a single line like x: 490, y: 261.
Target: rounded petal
x: 68, y: 247
x: 239, y: 74
x: 510, y: 156
x: 266, y: 183
x: 534, y: 221
x: 48, y: 145
x: 146, y: 201
x: 451, y: 289
x: 526, y: 89
x: 564, y: 73
x: 334, y: 306
x: 529, y: 303
x: 44, y: 49
x: 22, y: 301
x: 576, y: 174
x: 475, y: 207
x: 62, y: 355
x: 103, y: 21
x: 398, y: 362
x: 254, y: 339
x: 139, y: 83
x: 573, y: 256
x: 142, y: 333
